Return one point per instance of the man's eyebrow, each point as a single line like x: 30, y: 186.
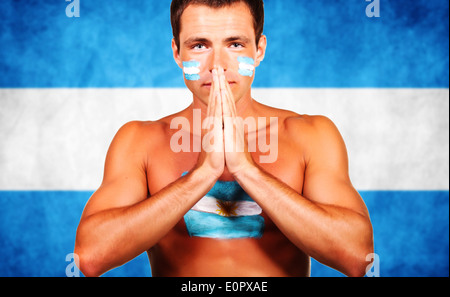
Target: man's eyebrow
x: 195, y: 40
x: 241, y: 38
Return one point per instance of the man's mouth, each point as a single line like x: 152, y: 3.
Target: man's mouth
x: 208, y: 84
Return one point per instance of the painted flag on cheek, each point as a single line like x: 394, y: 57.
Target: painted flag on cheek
x: 191, y: 70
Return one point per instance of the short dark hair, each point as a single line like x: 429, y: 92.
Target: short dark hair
x: 178, y: 6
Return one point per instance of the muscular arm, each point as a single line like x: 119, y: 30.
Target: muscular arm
x: 119, y: 222
x: 329, y: 221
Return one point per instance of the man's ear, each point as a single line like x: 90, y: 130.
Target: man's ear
x: 261, y: 52
x: 176, y: 54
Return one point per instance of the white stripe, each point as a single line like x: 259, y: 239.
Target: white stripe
x: 245, y: 66
x: 228, y: 209
x: 191, y: 70
x: 57, y: 139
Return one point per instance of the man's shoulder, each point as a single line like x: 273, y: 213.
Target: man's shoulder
x: 312, y: 130
x: 136, y: 128
x: 294, y: 124
x: 138, y: 133
x: 317, y: 123
x: 295, y: 119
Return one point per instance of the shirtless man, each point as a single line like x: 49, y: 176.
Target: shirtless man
x: 156, y: 199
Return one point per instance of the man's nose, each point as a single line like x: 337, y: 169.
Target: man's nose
x: 218, y: 59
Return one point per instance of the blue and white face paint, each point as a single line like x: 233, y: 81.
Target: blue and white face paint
x: 226, y: 212
x: 246, y: 66
x: 191, y: 70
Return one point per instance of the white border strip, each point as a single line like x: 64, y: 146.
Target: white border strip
x: 56, y: 139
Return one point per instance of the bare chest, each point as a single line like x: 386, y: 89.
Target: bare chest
x: 166, y: 166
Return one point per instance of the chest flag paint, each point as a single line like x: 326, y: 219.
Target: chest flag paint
x: 226, y: 212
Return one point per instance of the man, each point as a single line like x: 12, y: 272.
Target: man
x: 217, y: 204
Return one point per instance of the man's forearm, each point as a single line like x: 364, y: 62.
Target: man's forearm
x: 111, y: 238
x: 335, y: 236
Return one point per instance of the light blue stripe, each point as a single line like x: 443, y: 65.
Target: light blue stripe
x: 314, y: 44
x: 229, y: 191
x: 37, y: 230
x: 191, y: 64
x: 192, y: 77
x: 246, y: 60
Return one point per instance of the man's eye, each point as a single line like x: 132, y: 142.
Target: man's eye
x: 199, y: 46
x: 236, y: 45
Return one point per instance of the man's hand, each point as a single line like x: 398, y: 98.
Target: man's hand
x: 212, y: 158
x: 237, y: 156
x: 223, y: 142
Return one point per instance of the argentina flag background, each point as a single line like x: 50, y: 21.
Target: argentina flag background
x: 68, y: 84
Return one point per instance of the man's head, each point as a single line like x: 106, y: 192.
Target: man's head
x: 178, y: 6
x: 218, y: 33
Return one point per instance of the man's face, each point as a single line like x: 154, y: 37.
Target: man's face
x: 218, y: 37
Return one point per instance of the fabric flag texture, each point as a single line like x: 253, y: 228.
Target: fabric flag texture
x: 68, y: 84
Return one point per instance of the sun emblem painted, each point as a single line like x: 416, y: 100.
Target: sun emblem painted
x: 226, y: 208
